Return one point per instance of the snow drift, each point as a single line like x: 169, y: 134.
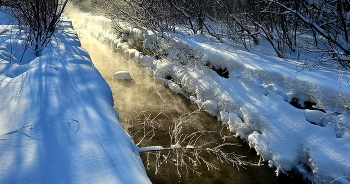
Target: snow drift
x: 57, y: 121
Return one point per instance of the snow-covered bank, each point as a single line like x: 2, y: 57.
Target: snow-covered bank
x: 254, y: 98
x: 57, y: 121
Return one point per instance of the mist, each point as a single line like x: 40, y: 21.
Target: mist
x: 139, y: 94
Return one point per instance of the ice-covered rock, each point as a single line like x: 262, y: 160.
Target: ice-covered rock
x: 146, y: 60
x: 132, y: 53
x: 174, y: 87
x: 317, y: 117
x: 122, y: 75
x: 211, y: 107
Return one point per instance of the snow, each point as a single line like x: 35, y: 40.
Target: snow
x: 254, y: 100
x: 57, y: 121
x: 175, y: 146
x: 58, y: 124
x: 122, y: 75
x: 174, y: 87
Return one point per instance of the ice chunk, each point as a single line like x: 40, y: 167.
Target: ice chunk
x: 122, y: 75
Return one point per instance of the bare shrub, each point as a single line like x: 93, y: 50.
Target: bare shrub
x: 39, y: 19
x: 186, y: 149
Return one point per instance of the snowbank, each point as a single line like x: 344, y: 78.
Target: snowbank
x: 57, y: 121
x: 253, y: 93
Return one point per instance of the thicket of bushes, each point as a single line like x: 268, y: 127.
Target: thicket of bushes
x: 320, y: 27
x: 38, y: 18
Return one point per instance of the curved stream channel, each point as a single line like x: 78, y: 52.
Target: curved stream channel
x: 145, y: 97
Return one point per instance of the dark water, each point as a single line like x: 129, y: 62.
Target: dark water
x: 143, y: 98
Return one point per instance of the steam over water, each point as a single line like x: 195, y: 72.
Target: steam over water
x: 143, y: 93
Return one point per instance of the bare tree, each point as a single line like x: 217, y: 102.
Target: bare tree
x: 291, y: 26
x: 327, y: 22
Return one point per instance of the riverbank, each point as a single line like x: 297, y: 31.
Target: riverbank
x: 261, y: 98
x: 57, y: 121
x: 144, y: 98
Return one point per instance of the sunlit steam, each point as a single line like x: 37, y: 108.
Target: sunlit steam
x: 141, y: 93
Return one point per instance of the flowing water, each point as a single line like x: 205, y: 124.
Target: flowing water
x: 144, y: 98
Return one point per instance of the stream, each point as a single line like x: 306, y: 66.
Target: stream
x: 144, y: 98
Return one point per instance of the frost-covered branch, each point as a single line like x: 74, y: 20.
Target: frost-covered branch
x: 186, y: 150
